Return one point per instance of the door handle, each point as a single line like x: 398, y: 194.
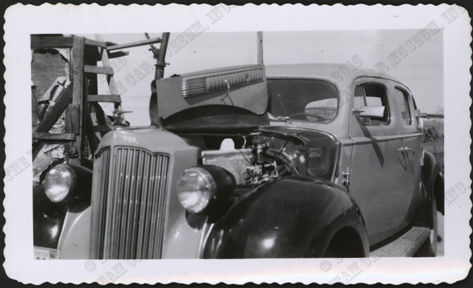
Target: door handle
x: 406, y: 149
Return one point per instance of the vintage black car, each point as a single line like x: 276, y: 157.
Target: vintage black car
x: 253, y: 162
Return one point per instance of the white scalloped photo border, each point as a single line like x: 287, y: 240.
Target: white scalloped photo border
x: 21, y: 21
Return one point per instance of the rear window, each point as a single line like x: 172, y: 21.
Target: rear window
x: 289, y: 97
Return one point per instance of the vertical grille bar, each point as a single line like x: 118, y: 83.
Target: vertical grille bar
x: 161, y: 208
x: 141, y: 220
x: 149, y: 203
x: 102, y: 207
x: 131, y: 202
x: 124, y: 211
x: 136, y: 214
x: 154, y: 204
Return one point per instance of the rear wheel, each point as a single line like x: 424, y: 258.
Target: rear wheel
x: 429, y: 248
x: 433, y: 229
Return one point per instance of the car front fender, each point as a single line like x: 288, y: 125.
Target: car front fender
x: 47, y: 220
x: 49, y: 217
x: 290, y: 218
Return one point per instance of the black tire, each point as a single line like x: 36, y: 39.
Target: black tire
x: 433, y: 229
x: 429, y: 248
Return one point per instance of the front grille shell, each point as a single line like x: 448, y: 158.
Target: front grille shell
x: 129, y: 206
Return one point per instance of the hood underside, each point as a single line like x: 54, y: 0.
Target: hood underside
x: 228, y: 97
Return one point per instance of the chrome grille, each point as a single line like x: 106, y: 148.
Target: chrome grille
x: 130, y: 206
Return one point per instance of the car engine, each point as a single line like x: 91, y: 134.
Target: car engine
x: 252, y: 159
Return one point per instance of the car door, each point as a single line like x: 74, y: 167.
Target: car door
x: 377, y: 172
x: 412, y: 141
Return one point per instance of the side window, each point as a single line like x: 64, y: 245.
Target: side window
x: 401, y: 98
x: 374, y: 95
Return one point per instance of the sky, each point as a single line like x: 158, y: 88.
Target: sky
x: 421, y: 70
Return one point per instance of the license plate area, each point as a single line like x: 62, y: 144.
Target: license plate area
x: 41, y: 253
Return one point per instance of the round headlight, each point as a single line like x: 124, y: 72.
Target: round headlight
x: 195, y: 188
x: 59, y: 182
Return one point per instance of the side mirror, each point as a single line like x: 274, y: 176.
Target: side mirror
x: 370, y: 111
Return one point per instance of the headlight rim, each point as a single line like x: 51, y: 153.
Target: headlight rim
x: 210, y: 181
x: 72, y: 185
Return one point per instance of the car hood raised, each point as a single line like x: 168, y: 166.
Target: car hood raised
x: 196, y: 97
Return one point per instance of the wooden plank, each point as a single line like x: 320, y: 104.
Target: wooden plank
x: 75, y: 118
x: 55, y: 137
x: 134, y: 44
x: 105, y: 98
x: 78, y: 70
x: 47, y: 95
x: 55, y: 111
x: 110, y: 79
x: 67, y: 120
x: 38, y: 41
x: 101, y: 128
x: 34, y: 108
x: 89, y: 111
x: 117, y: 54
x: 94, y: 122
x: 74, y: 149
x: 100, y: 114
x: 98, y: 70
x: 95, y: 43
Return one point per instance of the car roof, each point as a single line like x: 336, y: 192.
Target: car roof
x: 317, y: 70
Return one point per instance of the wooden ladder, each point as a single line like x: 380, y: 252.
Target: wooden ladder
x: 83, y: 113
x: 97, y: 121
x: 85, y: 120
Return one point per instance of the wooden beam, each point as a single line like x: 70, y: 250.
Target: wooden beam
x: 105, y: 98
x: 98, y: 70
x: 38, y: 41
x: 110, y: 78
x: 55, y: 137
x: 100, y: 114
x: 53, y: 114
x: 74, y: 110
x: 91, y: 121
x: 74, y: 149
x: 134, y: 44
x: 47, y: 95
x: 95, y: 43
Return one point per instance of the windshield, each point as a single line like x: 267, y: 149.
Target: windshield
x: 315, y: 100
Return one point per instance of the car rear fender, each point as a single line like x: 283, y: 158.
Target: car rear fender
x: 433, y: 180
x: 290, y: 218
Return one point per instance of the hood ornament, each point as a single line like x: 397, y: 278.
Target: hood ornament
x: 119, y: 120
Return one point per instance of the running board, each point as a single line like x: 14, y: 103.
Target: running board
x: 404, y: 246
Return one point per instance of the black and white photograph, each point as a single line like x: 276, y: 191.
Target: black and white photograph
x: 318, y: 150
